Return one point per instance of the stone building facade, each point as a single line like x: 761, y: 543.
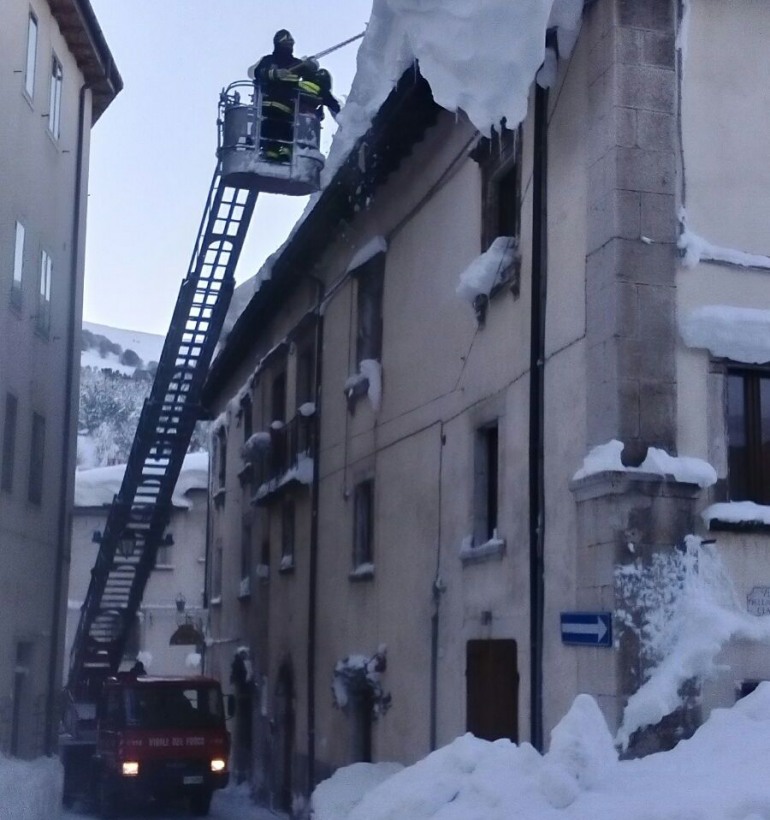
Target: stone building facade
x: 399, y: 521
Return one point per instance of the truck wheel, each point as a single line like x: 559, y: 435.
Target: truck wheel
x: 200, y: 803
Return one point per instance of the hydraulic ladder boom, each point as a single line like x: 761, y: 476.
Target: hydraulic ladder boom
x: 139, y: 514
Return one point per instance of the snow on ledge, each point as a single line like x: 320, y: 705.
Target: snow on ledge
x: 488, y: 269
x: 740, y: 334
x: 685, y: 469
x: 697, y: 249
x: 376, y: 245
x: 737, y: 512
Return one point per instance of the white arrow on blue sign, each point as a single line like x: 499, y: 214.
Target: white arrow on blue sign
x: 587, y: 628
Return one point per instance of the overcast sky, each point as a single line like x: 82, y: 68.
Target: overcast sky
x: 153, y: 150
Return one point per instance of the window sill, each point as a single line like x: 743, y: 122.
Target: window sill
x: 218, y: 497
x: 165, y: 567
x: 715, y: 525
x: 217, y: 601
x: 287, y: 565
x: 494, y: 548
x: 363, y: 572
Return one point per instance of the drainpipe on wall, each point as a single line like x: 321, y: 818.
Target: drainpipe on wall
x: 313, y: 567
x: 438, y: 588
x: 536, y: 413
x: 71, y: 383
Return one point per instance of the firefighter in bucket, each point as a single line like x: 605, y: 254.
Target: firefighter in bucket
x: 280, y: 78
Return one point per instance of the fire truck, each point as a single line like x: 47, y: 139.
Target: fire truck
x: 127, y: 736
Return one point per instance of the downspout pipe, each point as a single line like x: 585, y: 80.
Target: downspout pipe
x: 71, y: 382
x: 537, y: 412
x: 313, y: 563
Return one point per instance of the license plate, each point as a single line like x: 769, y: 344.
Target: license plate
x: 191, y: 779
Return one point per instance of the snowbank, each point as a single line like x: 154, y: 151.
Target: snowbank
x: 30, y: 790
x: 97, y: 487
x: 721, y: 772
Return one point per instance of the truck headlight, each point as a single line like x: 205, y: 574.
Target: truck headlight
x: 218, y: 765
x: 130, y: 768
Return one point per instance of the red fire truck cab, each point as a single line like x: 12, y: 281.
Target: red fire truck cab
x: 153, y: 738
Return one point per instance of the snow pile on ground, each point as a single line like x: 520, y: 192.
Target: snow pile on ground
x: 30, y: 790
x: 97, y: 487
x: 721, y: 772
x: 343, y: 791
x: 606, y: 458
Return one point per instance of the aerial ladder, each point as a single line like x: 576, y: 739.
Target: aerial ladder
x: 139, y: 514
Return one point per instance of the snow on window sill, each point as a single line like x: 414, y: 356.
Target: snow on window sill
x: 219, y: 497
x: 164, y: 567
x: 263, y: 572
x: 737, y: 516
x: 217, y: 601
x: 286, y: 565
x: 363, y: 572
x: 494, y: 548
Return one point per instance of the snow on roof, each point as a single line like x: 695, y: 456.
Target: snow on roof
x: 606, y: 458
x: 740, y: 334
x: 98, y: 486
x: 479, y: 58
x: 377, y: 244
x: 720, y: 772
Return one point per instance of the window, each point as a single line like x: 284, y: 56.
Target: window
x: 486, y: 479
x: 36, y: 460
x: 221, y: 441
x: 245, y: 551
x: 305, y: 386
x: 500, y: 165
x: 748, y: 435
x: 54, y: 101
x: 9, y: 442
x: 29, y: 67
x: 363, y: 523
x: 248, y: 427
x: 278, y: 397
x: 216, y: 574
x: 21, y: 694
x: 370, y: 278
x: 44, y: 294
x: 287, y: 534
x: 18, y: 267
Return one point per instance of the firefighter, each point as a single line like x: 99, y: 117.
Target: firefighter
x: 279, y: 76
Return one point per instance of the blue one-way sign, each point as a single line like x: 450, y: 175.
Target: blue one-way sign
x: 587, y: 628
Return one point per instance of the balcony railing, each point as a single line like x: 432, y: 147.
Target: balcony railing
x: 290, y: 451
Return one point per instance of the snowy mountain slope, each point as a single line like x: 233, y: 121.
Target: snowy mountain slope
x: 105, y: 347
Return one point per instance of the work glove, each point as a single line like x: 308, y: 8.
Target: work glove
x: 283, y: 75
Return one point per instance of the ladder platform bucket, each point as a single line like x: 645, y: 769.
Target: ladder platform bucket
x: 253, y: 157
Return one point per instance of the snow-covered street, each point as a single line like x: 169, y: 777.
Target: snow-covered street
x: 230, y: 804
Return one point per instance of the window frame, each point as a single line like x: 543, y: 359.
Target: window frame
x: 36, y: 478
x: 55, y: 97
x: 288, y: 534
x: 486, y: 482
x: 17, y: 287
x: 363, y: 523
x: 749, y: 481
x: 10, y: 428
x: 499, y: 159
x: 370, y: 292
x: 45, y: 284
x: 30, y: 62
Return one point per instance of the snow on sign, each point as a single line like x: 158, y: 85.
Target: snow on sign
x: 758, y: 601
x: 586, y: 628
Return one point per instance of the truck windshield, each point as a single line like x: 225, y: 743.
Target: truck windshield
x: 166, y: 707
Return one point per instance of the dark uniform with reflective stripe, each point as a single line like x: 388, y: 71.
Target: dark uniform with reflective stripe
x: 280, y: 75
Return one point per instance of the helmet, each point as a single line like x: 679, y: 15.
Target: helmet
x: 283, y: 38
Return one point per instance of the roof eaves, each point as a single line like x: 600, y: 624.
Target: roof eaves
x: 85, y: 39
